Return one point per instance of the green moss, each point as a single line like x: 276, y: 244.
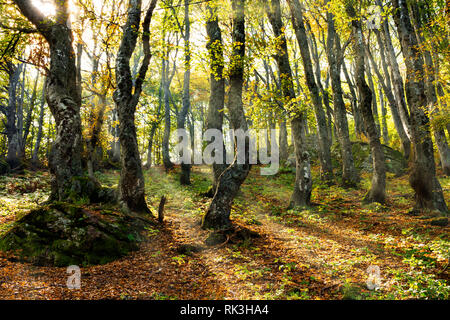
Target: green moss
x: 62, y: 234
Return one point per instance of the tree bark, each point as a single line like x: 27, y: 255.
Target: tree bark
x: 126, y: 97
x: 377, y: 191
x: 359, y: 126
x: 397, y: 81
x: 231, y: 179
x: 428, y: 191
x: 430, y: 87
x: 185, y: 177
x: 155, y: 124
x: 11, y: 128
x: 37, y: 145
x: 350, y: 177
x: 168, y: 165
x: 63, y: 98
x: 303, y: 180
x: 322, y: 126
x: 387, y: 89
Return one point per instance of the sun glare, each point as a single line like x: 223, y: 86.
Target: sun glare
x: 46, y: 7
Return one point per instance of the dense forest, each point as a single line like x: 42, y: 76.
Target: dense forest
x: 224, y: 149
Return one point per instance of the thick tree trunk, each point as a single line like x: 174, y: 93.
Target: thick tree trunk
x: 126, y: 97
x: 301, y: 196
x: 215, y: 112
x: 322, y: 126
x: 63, y: 99
x: 420, y: 19
x: 377, y: 191
x: 350, y: 177
x: 423, y: 180
x: 231, y: 179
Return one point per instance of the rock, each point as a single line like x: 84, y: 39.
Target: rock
x: 65, y: 234
x: 395, y: 162
x: 441, y: 222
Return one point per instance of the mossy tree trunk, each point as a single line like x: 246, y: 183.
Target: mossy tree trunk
x: 62, y: 96
x: 377, y: 192
x: 126, y: 97
x: 231, y: 179
x: 350, y: 177
x: 419, y: 12
x: 428, y: 191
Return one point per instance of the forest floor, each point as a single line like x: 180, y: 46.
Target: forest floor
x: 320, y: 253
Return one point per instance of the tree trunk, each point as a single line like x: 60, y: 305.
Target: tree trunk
x: 63, y: 99
x: 430, y: 88
x: 168, y: 165
x: 37, y: 145
x: 383, y: 118
x: 215, y: 113
x: 377, y: 191
x: 29, y: 116
x: 303, y: 179
x: 374, y: 97
x: 428, y: 191
x: 155, y: 125
x: 387, y: 88
x: 185, y: 177
x: 284, y: 154
x: 126, y: 97
x: 11, y: 129
x: 359, y: 126
x: 397, y: 81
x: 322, y: 126
x: 231, y: 179
x: 350, y: 177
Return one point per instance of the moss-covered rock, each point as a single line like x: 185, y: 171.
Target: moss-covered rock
x: 395, y: 162
x: 64, y: 234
